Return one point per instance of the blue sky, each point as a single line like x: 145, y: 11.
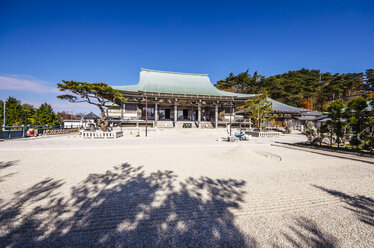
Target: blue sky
x: 42, y: 42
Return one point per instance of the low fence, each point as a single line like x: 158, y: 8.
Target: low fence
x: 101, y: 134
x: 264, y: 134
x: 12, y: 132
x: 59, y: 131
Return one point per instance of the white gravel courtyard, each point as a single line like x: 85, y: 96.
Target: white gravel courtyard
x: 181, y: 188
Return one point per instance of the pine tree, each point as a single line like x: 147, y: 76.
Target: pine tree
x: 1, y: 113
x: 44, y: 115
x: 369, y: 79
x: 337, y: 125
x: 27, y: 115
x: 357, y: 119
x: 259, y: 108
x: 97, y: 94
x: 13, y: 112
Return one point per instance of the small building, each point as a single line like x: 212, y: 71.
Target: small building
x: 172, y: 99
x: 317, y: 118
x: 82, y: 123
x: 72, y: 123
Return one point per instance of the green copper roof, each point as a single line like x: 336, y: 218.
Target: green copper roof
x: 189, y: 84
x: 176, y: 83
x: 279, y: 107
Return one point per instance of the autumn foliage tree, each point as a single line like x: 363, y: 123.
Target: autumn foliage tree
x: 97, y: 94
x: 306, y: 104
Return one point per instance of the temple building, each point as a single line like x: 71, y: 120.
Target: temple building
x: 173, y: 99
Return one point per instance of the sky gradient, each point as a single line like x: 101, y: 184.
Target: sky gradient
x: 43, y: 42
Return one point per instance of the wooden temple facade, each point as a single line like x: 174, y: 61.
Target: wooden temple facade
x: 170, y: 99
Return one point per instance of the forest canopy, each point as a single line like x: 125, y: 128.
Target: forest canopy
x: 303, y: 88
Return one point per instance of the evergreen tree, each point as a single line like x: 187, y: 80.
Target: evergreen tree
x: 294, y: 86
x: 357, y: 119
x: 13, y: 112
x: 369, y: 79
x: 1, y: 113
x: 370, y: 134
x: 323, y: 131
x: 259, y: 108
x: 44, y: 115
x: 97, y: 94
x: 28, y: 112
x: 337, y: 125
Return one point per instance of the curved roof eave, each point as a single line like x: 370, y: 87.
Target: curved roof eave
x: 281, y: 107
x: 163, y: 82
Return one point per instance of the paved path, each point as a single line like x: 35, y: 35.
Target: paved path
x: 337, y: 154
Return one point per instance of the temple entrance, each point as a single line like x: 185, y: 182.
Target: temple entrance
x: 167, y: 114
x: 185, y: 114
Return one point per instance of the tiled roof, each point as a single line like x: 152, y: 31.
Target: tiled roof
x: 91, y: 116
x: 177, y: 83
x: 151, y: 81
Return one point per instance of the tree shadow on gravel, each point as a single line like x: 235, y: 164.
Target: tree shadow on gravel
x: 306, y: 233
x: 126, y: 208
x: 361, y: 205
x: 4, y: 165
x: 15, y: 225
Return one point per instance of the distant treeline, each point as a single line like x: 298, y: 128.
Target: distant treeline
x: 303, y: 88
x: 17, y: 114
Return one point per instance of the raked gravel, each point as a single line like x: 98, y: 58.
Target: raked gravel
x: 181, y: 188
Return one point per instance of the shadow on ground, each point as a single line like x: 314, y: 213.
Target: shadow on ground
x: 325, y: 152
x: 306, y: 233
x: 361, y: 205
x: 5, y: 165
x: 126, y: 208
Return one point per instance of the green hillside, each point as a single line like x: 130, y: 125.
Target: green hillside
x: 303, y: 88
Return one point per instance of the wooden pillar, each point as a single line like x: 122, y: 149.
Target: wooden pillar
x: 146, y: 116
x: 199, y: 114
x: 191, y: 113
x: 156, y: 113
x: 230, y: 116
x: 216, y: 117
x: 122, y: 107
x: 175, y: 113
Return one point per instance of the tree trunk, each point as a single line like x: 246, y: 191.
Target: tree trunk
x: 104, y: 120
x: 357, y: 144
x: 331, y: 138
x: 371, y: 140
x: 105, y: 125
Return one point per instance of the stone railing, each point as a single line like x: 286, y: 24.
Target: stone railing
x: 264, y: 134
x: 101, y: 135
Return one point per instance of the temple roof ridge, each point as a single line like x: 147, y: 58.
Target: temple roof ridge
x: 172, y: 72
